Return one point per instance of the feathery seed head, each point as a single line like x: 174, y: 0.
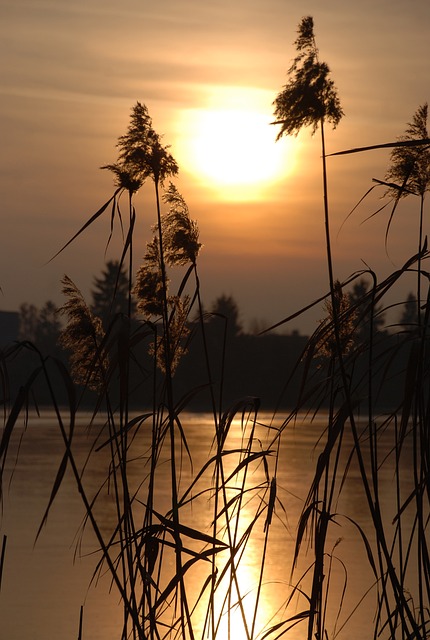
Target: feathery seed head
x: 141, y: 154
x: 310, y: 97
x: 346, y: 318
x: 83, y: 335
x: 410, y: 165
x: 180, y: 233
x: 178, y: 333
x: 125, y: 177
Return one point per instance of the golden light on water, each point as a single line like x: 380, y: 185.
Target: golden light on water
x: 240, y: 612
x: 230, y: 146
x: 241, y: 609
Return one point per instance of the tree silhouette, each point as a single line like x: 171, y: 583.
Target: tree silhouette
x: 41, y: 326
x: 367, y: 315
x: 49, y: 327
x: 409, y: 318
x: 28, y: 321
x: 110, y: 293
x: 225, y: 310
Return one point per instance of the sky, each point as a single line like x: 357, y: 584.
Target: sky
x: 70, y: 73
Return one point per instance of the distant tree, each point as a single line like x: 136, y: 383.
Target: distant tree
x: 28, y: 321
x: 110, y: 293
x: 409, y: 318
x: 360, y: 298
x: 42, y: 326
x: 257, y: 325
x: 48, y: 328
x: 225, y: 309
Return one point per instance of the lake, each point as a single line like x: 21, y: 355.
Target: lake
x: 46, y: 582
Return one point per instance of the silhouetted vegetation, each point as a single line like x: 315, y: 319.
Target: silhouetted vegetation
x: 151, y: 352
x: 110, y: 293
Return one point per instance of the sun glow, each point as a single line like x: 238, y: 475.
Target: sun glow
x: 230, y: 147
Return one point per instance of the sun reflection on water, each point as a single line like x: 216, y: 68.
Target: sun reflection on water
x: 247, y: 599
x: 45, y: 578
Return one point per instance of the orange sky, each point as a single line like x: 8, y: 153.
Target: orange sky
x: 71, y: 72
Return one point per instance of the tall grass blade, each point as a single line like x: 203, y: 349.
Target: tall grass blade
x: 386, y: 145
x: 2, y: 558
x: 81, y: 622
x: 86, y: 225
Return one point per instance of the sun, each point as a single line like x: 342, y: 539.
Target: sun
x: 229, y: 145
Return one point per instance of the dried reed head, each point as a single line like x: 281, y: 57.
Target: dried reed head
x: 180, y: 233
x: 83, y: 336
x: 310, y: 97
x: 346, y: 317
x: 148, y: 288
x: 178, y: 333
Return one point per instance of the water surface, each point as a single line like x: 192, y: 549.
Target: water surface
x: 46, y: 582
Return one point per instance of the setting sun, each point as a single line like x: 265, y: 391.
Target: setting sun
x: 230, y: 145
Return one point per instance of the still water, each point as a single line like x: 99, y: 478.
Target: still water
x: 45, y: 582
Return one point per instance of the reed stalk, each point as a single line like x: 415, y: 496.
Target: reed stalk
x: 152, y: 550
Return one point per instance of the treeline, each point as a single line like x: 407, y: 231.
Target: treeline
x: 222, y: 362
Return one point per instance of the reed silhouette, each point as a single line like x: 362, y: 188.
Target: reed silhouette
x: 344, y: 367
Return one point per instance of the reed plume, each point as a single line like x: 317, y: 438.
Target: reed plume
x: 82, y: 337
x: 180, y: 233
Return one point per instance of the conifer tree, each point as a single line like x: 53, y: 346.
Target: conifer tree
x: 110, y: 293
x: 225, y: 309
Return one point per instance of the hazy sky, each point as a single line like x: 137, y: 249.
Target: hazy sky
x: 208, y: 72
